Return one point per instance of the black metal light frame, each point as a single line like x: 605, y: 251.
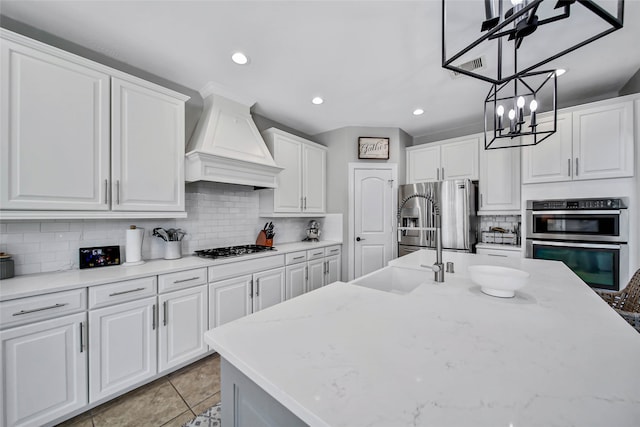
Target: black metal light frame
x: 497, y: 30
x: 536, y: 136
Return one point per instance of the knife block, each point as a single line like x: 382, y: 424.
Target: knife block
x: 262, y: 239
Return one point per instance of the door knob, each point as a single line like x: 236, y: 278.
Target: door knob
x: 358, y: 239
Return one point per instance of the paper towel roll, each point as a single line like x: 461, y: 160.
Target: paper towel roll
x: 133, y: 248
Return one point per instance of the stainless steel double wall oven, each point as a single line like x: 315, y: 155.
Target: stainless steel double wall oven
x: 589, y: 235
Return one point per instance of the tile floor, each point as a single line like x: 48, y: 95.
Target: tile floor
x: 167, y: 402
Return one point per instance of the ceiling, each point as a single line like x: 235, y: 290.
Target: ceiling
x: 373, y: 62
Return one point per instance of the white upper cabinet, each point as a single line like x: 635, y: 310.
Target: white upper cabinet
x: 55, y: 132
x: 451, y: 159
x: 83, y: 140
x: 592, y: 142
x: 302, y: 183
x: 499, y: 180
x: 147, y: 148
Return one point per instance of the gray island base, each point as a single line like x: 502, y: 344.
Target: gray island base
x: 440, y: 354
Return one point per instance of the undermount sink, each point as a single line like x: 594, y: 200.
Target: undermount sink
x: 394, y: 279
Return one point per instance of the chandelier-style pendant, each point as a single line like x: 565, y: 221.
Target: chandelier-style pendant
x: 480, y: 38
x: 513, y: 110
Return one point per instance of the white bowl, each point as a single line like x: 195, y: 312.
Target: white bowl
x: 498, y: 281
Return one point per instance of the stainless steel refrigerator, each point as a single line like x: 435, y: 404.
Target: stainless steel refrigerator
x: 456, y: 200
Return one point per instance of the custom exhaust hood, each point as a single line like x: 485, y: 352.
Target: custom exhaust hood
x: 226, y: 145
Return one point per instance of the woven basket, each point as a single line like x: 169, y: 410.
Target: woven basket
x: 627, y: 301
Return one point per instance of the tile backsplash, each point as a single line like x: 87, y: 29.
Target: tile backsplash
x: 218, y: 215
x: 509, y: 223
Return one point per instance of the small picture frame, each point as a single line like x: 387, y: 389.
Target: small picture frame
x: 373, y: 148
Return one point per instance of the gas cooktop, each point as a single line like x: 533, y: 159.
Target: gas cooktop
x: 232, y: 251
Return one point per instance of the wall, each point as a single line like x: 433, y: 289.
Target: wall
x: 218, y: 215
x: 632, y: 86
x: 343, y: 149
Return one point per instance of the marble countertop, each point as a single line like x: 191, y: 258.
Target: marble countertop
x: 42, y: 283
x: 444, y: 354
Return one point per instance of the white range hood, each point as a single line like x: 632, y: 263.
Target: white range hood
x: 226, y: 145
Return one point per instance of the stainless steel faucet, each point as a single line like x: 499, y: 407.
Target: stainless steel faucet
x: 438, y: 267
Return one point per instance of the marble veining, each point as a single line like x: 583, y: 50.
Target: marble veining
x: 444, y: 354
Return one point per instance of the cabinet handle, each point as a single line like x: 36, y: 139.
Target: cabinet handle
x: 81, y: 337
x: 437, y: 174
x: 326, y: 267
x: 480, y: 199
x: 306, y: 273
x: 577, y: 167
x: 302, y: 203
x: 251, y: 289
x: 185, y: 280
x: 153, y: 318
x: 21, y: 312
x: 501, y: 256
x: 305, y: 203
x: 298, y: 257
x: 258, y: 288
x: 568, y: 167
x: 443, y: 173
x: 106, y: 192
x: 126, y: 292
x: 165, y: 312
x: 117, y: 192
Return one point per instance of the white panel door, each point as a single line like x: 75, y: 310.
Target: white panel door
x: 229, y: 300
x: 295, y: 280
x: 122, y: 346
x: 603, y: 142
x: 316, y: 271
x: 500, y: 180
x: 44, y: 371
x: 373, y: 206
x: 459, y: 160
x: 147, y: 149
x: 288, y: 154
x: 54, y: 131
x: 314, y: 167
x: 183, y: 322
x: 423, y: 164
x: 550, y: 160
x: 268, y: 288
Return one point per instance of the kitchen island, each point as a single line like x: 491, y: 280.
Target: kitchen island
x: 440, y: 355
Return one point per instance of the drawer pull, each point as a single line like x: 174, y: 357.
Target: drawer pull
x: 185, y: 280
x: 502, y: 256
x: 127, y: 292
x: 298, y: 257
x: 318, y: 253
x: 334, y: 250
x: 21, y: 312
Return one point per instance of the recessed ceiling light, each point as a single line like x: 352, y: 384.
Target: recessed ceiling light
x: 418, y: 112
x: 239, y: 58
x: 317, y: 100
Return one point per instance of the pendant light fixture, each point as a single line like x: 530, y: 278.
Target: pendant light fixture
x: 503, y: 42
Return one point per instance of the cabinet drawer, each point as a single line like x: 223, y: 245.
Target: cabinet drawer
x: 26, y: 310
x: 234, y: 269
x: 315, y: 253
x: 499, y: 253
x: 114, y: 293
x: 182, y: 279
x: 296, y: 257
x: 332, y: 250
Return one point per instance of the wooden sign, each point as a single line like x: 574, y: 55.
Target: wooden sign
x: 373, y: 148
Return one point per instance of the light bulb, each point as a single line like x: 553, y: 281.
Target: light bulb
x: 520, y: 102
x: 500, y: 110
x: 512, y: 114
x: 533, y: 106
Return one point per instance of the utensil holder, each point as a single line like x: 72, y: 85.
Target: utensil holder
x: 173, y: 250
x: 262, y: 239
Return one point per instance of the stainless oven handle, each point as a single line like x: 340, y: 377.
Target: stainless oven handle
x: 574, y: 244
x: 580, y: 212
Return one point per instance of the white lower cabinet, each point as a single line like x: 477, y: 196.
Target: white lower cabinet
x: 122, y: 343
x: 334, y: 267
x: 44, y: 372
x: 295, y: 280
x: 312, y: 269
x: 182, y: 324
x: 317, y: 268
x: 234, y: 298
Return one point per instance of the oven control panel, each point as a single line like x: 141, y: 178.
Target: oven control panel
x: 576, y: 204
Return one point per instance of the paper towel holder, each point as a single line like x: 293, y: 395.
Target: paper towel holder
x: 133, y: 248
